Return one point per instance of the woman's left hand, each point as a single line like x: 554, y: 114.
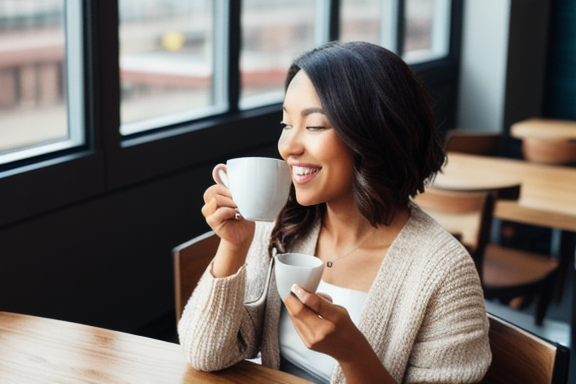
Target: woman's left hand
x: 323, y: 327
x: 327, y: 328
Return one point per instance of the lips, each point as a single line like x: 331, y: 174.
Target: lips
x: 303, y: 173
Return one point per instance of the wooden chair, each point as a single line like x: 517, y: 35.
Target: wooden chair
x: 190, y: 261
x: 506, y: 273
x: 473, y: 141
x: 524, y: 358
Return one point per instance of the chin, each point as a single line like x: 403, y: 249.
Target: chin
x: 307, y: 201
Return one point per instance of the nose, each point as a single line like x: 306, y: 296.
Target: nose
x: 290, y: 143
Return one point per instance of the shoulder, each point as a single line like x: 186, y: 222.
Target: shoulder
x: 430, y: 238
x: 425, y: 251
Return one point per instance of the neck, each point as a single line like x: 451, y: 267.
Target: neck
x: 345, y: 226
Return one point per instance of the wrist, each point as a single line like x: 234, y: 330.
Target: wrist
x: 229, y: 258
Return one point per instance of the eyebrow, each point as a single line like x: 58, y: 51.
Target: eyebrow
x: 309, y: 111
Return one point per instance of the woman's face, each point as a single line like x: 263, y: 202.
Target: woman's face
x: 321, y: 165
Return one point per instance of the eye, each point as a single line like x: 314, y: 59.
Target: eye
x: 283, y: 125
x: 315, y: 128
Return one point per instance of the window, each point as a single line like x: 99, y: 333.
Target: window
x: 374, y: 21
x: 427, y: 30
x: 274, y: 33
x: 41, y: 69
x: 172, y: 65
x: 418, y: 30
x: 87, y: 108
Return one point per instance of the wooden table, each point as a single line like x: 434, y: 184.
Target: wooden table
x: 547, y: 141
x: 545, y: 129
x: 40, y: 350
x: 547, y: 192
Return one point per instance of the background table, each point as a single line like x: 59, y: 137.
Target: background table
x: 547, y: 192
x: 39, y: 350
x: 547, y: 141
x: 544, y: 129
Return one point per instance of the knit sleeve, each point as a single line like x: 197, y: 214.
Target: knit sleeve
x: 453, y: 345
x: 222, y: 321
x: 215, y: 330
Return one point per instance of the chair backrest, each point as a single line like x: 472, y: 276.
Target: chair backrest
x: 519, y: 356
x: 466, y: 215
x: 190, y: 261
x: 473, y: 141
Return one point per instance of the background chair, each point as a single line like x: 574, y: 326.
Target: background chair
x: 473, y: 141
x: 524, y: 358
x: 190, y: 261
x: 506, y: 273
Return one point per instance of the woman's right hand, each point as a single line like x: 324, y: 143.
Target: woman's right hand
x: 235, y: 234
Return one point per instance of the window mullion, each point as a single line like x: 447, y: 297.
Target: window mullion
x: 75, y: 70
x: 234, y: 40
x: 390, y: 24
x: 400, y: 26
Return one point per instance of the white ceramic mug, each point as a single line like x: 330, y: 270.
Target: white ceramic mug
x: 259, y: 185
x: 297, y: 268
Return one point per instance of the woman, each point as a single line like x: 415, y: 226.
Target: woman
x: 359, y: 137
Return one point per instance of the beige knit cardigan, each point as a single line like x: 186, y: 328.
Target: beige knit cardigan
x: 424, y: 314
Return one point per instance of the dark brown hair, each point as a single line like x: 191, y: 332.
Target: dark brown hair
x: 380, y: 109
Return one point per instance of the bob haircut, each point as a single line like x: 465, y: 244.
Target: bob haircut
x: 381, y: 111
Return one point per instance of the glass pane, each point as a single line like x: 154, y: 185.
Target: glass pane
x: 360, y: 20
x: 273, y: 33
x: 427, y: 29
x: 33, y: 72
x: 167, y: 61
x: 374, y: 21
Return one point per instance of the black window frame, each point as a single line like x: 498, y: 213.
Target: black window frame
x: 109, y: 161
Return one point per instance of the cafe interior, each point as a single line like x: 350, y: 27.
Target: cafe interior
x: 114, y: 113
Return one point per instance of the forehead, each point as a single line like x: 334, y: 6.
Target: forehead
x: 301, y: 93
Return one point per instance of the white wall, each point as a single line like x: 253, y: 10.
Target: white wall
x: 503, y: 62
x: 483, y: 64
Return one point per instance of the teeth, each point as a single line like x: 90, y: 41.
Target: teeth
x: 301, y: 171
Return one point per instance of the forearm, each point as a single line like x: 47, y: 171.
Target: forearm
x: 212, y: 321
x: 229, y: 258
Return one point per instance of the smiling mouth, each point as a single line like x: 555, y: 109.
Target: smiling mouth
x: 303, y: 171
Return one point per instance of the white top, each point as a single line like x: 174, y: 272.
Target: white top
x: 292, y: 347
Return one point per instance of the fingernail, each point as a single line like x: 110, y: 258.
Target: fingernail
x: 296, y: 290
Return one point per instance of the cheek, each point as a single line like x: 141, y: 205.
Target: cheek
x: 345, y: 162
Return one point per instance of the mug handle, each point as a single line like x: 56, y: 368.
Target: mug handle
x: 219, y: 175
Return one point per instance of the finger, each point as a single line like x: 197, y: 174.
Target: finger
x: 317, y: 303
x: 298, y: 311
x: 312, y: 327
x: 216, y: 202
x: 325, y: 296
x: 221, y: 215
x: 215, y: 190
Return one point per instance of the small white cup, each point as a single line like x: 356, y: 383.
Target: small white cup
x: 297, y: 268
x: 259, y: 185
